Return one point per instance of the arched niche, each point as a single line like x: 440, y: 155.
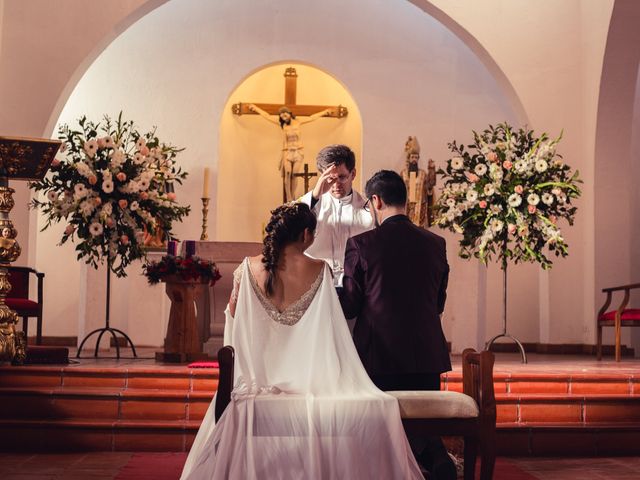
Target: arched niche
x: 249, y: 184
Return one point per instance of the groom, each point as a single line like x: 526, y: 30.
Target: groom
x: 395, y: 282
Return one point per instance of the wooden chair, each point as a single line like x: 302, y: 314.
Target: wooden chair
x: 18, y: 298
x: 621, y: 317
x: 471, y: 414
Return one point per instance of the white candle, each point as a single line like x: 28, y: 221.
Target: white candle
x: 205, y: 183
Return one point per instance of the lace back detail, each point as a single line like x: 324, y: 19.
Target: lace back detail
x: 294, y: 312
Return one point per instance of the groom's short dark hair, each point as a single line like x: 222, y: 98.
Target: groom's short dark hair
x: 336, y: 154
x: 389, y: 186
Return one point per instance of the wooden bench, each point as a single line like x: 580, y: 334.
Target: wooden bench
x: 471, y: 414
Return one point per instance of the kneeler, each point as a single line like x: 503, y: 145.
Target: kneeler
x: 471, y: 414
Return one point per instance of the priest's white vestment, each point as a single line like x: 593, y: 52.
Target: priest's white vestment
x: 338, y: 219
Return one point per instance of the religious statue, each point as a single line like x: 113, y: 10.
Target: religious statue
x: 292, y: 154
x: 420, y: 185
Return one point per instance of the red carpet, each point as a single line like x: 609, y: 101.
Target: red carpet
x: 168, y: 466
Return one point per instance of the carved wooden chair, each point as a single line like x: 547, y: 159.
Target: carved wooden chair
x: 471, y: 414
x: 19, y: 300
x: 621, y: 317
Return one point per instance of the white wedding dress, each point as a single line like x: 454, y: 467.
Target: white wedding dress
x: 303, y: 407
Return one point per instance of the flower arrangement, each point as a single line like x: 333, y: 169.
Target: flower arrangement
x: 189, y: 268
x: 114, y: 187
x: 505, y: 194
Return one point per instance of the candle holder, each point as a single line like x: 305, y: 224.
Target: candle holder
x: 205, y: 211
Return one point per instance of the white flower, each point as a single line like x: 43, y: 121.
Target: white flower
x: 134, y: 205
x: 480, y: 169
x: 108, y: 141
x: 52, y: 196
x: 90, y: 147
x: 86, y: 207
x: 107, y: 186
x: 520, y: 166
x: 533, y: 199
x: 457, y: 163
x: 138, y: 158
x: 496, y: 225
x: 83, y: 169
x: 562, y: 198
x: 451, y: 202
x: 515, y: 200
x: 141, y: 143
x: 472, y: 195
x: 547, y: 198
x: 117, y: 157
x: 489, y: 189
x: 541, y: 166
x: 80, y: 191
x: 495, y: 171
x: 496, y: 208
x: 95, y: 229
x: 107, y: 209
x: 143, y: 185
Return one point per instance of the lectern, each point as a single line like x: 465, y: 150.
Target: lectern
x: 20, y: 159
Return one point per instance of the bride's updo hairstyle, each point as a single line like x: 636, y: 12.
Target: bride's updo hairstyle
x: 286, y: 226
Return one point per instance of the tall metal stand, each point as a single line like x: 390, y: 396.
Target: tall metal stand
x: 504, y: 319
x: 107, y: 327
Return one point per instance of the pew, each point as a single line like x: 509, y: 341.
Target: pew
x: 471, y: 414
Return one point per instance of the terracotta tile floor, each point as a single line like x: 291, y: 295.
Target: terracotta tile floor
x: 105, y: 466
x: 505, y: 362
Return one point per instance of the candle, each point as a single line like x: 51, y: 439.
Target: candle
x: 190, y: 249
x: 172, y: 248
x: 205, y: 183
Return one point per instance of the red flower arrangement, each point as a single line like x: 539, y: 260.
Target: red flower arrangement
x: 189, y: 268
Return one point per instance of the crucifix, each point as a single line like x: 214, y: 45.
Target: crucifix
x: 292, y: 153
x: 306, y: 175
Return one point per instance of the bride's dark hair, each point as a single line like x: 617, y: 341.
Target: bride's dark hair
x: 287, y: 224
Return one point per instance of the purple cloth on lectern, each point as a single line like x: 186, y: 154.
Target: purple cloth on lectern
x: 190, y: 248
x: 172, y: 248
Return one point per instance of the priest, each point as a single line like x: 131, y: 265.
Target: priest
x: 341, y: 211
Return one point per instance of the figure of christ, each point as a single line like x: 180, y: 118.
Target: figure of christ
x: 292, y: 155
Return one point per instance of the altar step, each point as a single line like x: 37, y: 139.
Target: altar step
x: 116, y: 409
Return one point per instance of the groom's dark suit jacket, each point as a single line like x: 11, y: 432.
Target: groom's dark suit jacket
x: 395, y: 283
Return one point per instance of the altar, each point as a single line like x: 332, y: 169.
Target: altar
x: 211, y: 305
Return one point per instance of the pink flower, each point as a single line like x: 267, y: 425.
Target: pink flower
x: 110, y: 222
x: 518, y: 189
x: 101, y: 143
x: 97, y: 201
x: 55, y: 162
x: 492, y: 157
x: 93, y: 179
x: 144, y: 195
x: 532, y: 209
x: 171, y: 196
x: 482, y: 204
x: 472, y: 177
x: 507, y: 164
x: 144, y: 151
x: 511, y: 228
x: 69, y: 230
x: 553, y: 219
x: 121, y: 176
x: 124, y: 239
x: 123, y: 203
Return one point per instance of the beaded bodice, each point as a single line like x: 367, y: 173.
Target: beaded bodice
x: 294, y: 311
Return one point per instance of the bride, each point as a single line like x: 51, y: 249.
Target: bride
x: 302, y: 407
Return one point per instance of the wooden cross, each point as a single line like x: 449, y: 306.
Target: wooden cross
x: 306, y: 175
x: 290, y: 88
